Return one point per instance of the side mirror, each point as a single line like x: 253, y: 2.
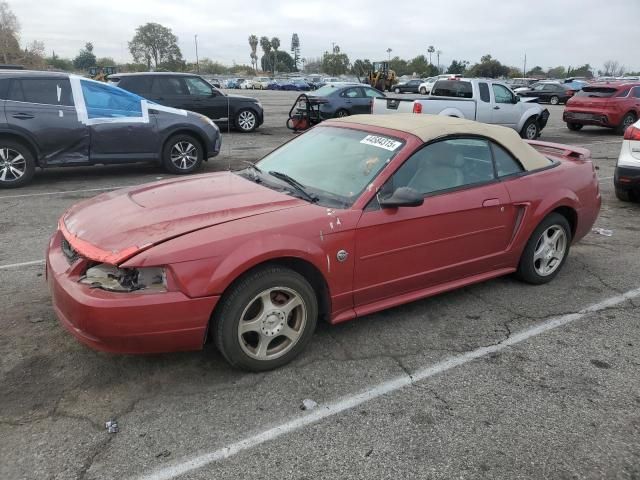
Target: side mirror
x: 516, y: 98
x: 402, y: 197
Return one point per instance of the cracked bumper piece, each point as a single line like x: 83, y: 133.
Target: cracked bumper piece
x: 120, y: 322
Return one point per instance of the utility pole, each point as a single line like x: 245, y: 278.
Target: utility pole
x: 524, y: 67
x: 389, y: 50
x: 438, y: 56
x: 333, y: 47
x: 197, y: 61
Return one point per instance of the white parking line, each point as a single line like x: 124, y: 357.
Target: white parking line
x: 23, y: 264
x: 63, y: 192
x: 328, y: 410
x: 604, y: 178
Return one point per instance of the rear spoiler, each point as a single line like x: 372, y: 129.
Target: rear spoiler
x: 559, y: 149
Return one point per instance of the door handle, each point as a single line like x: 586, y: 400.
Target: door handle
x: 491, y: 202
x: 23, y: 116
x: 496, y: 107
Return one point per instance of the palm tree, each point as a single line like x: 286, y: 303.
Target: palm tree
x: 253, y: 43
x: 430, y: 50
x: 265, y: 44
x: 275, y: 44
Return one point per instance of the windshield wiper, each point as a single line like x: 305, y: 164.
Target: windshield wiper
x: 256, y: 170
x: 295, y: 184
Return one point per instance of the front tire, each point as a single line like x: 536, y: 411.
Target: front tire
x: 342, y: 113
x: 574, y: 127
x: 554, y: 100
x: 530, y: 130
x: 628, y: 120
x: 266, y: 319
x: 17, y: 165
x: 246, y: 120
x: 182, y: 154
x: 546, y: 251
x: 423, y: 91
x: 397, y: 90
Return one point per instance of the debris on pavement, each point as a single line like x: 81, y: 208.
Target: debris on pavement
x: 112, y: 426
x: 603, y: 231
x: 165, y: 453
x: 308, y: 404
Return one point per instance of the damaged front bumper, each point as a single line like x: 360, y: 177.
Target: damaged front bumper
x: 123, y: 322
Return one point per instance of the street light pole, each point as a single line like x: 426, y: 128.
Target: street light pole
x: 197, y: 61
x: 389, y: 50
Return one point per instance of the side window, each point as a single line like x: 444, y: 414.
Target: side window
x: 45, y: 91
x: 350, y: 93
x: 484, y: 92
x: 505, y: 163
x: 104, y: 101
x: 371, y: 93
x: 549, y: 88
x: 169, y: 86
x: 198, y: 87
x: 623, y: 93
x: 4, y: 88
x: 140, y: 85
x: 445, y: 165
x: 502, y: 94
x: 636, y: 92
x: 15, y: 91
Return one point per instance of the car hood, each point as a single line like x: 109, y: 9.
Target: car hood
x: 240, y: 98
x: 115, y: 226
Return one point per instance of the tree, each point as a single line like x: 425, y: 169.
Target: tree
x: 211, y: 67
x: 295, y: 49
x: 430, y: 51
x: 360, y: 68
x: 313, y: 65
x: 611, y: 68
x: 488, y: 67
x: 458, y: 66
x: 584, y: 71
x: 335, y: 63
x: 9, y: 35
x: 275, y: 44
x: 253, y: 43
x: 284, y: 61
x: 57, y: 63
x: 106, y: 62
x: 155, y: 43
x: 557, y: 72
x: 267, y: 63
x: 85, y: 59
x: 536, y: 71
x: 399, y: 66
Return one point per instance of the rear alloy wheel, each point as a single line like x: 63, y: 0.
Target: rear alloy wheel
x: 554, y: 100
x: 628, y: 120
x: 574, y: 127
x: 266, y: 319
x: 423, y: 91
x: 17, y: 165
x: 182, y: 154
x: 397, y: 90
x: 530, y: 130
x: 546, y: 250
x: 342, y: 113
x: 246, y: 121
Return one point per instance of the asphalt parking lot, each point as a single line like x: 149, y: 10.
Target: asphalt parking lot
x: 498, y: 380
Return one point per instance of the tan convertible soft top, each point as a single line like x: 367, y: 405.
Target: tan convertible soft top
x: 430, y: 127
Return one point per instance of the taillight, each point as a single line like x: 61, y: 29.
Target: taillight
x: 417, y: 107
x: 631, y: 133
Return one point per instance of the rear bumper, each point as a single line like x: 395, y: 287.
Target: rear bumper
x: 591, y: 118
x: 627, y: 178
x: 124, y: 322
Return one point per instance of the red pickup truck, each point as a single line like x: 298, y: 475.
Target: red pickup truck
x: 612, y: 105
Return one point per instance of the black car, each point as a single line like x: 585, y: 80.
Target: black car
x: 412, y: 86
x: 192, y: 92
x: 53, y: 119
x: 343, y: 99
x: 552, y: 92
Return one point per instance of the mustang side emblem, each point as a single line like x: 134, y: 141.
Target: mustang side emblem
x: 342, y: 255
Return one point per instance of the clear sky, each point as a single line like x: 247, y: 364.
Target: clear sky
x: 551, y: 32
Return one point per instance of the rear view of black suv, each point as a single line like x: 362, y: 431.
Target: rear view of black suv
x: 55, y: 119
x: 192, y: 92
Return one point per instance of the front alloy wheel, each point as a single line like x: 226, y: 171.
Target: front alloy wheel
x: 182, y: 154
x: 554, y: 100
x: 246, y: 121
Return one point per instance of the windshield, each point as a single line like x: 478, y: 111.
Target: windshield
x: 334, y: 164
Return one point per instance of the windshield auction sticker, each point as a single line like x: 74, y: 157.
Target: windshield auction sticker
x: 381, y: 142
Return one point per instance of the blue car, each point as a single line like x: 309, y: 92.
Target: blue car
x: 344, y: 99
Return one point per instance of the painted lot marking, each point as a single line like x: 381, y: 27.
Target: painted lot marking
x: 65, y: 191
x: 23, y: 264
x: 346, y: 403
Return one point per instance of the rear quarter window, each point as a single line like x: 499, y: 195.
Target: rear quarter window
x: 44, y: 91
x: 4, y: 88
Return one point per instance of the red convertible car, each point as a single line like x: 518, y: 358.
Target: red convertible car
x: 354, y: 216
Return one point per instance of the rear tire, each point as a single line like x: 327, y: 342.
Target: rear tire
x: 554, y: 100
x: 342, y: 113
x: 182, y: 154
x: 530, y: 130
x: 257, y: 328
x: 542, y: 251
x: 17, y: 165
x: 574, y: 127
x: 397, y: 90
x: 624, y: 195
x: 628, y: 120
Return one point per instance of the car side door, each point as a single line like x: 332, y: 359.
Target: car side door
x: 350, y: 100
x: 203, y: 98
x: 170, y: 91
x: 122, y: 124
x: 462, y: 229
x: 43, y: 110
x: 506, y: 110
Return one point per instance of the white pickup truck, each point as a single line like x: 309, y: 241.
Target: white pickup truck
x: 483, y: 100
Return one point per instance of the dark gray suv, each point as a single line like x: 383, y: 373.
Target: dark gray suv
x: 55, y: 119
x: 192, y: 92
